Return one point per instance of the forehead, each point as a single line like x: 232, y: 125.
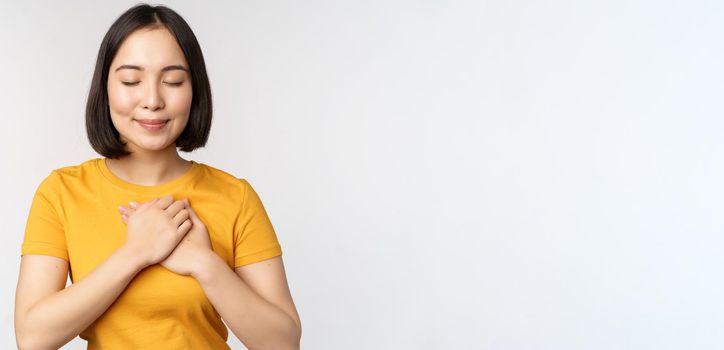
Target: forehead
x: 151, y: 49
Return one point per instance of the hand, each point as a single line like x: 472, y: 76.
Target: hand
x: 185, y: 259
x: 156, y: 228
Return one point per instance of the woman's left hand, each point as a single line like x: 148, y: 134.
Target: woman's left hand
x: 186, y: 257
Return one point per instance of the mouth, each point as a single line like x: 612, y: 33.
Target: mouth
x: 152, y: 125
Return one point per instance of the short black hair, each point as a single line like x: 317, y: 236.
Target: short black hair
x: 103, y: 136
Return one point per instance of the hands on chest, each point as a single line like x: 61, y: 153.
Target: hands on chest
x: 167, y: 232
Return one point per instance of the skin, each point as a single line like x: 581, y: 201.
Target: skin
x: 183, y: 259
x: 253, y: 300
x: 268, y: 318
x: 139, y: 88
x: 147, y: 92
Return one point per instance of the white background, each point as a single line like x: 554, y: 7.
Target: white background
x: 441, y: 174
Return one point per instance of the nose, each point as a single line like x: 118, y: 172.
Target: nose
x: 153, y: 99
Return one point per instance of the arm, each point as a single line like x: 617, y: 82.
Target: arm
x: 254, y: 302
x: 47, y: 315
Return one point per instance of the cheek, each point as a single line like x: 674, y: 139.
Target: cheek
x: 120, y: 101
x: 180, y: 101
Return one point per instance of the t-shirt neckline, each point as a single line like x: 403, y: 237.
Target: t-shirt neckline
x: 157, y: 190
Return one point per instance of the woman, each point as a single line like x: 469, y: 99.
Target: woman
x: 159, y: 249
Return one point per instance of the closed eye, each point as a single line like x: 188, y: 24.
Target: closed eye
x: 129, y: 83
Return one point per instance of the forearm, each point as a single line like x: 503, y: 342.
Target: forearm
x: 55, y: 320
x: 257, y: 323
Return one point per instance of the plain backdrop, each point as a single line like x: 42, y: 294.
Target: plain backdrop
x: 441, y: 174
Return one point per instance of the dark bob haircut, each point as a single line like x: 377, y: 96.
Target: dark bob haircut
x: 103, y: 136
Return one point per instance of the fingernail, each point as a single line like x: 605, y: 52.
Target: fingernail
x: 133, y: 204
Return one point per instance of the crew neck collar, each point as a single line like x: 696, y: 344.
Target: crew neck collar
x: 157, y: 190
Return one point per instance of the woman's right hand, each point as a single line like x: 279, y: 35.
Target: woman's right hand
x: 156, y: 228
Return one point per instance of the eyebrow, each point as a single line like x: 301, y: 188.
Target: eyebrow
x: 164, y: 69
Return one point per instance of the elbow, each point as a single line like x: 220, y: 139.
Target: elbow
x: 296, y: 338
x: 26, y: 346
x: 31, y: 342
x: 32, y: 347
x: 299, y: 336
x: 27, y: 338
x: 290, y: 342
x: 24, y: 340
x: 23, y: 337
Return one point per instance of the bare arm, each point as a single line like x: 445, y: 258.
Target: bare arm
x: 47, y: 316
x: 254, y: 302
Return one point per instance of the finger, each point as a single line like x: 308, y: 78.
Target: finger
x: 184, y: 227
x: 125, y: 219
x: 164, y: 202
x: 182, y: 216
x: 127, y: 211
x: 145, y: 205
x: 133, y: 204
x: 174, y: 208
x: 192, y: 213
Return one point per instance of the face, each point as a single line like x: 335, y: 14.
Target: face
x: 149, y: 90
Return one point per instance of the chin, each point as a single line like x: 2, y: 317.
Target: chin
x: 151, y: 146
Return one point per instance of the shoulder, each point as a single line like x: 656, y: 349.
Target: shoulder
x: 225, y: 179
x: 77, y: 171
x: 70, y: 178
x: 236, y: 187
x: 63, y: 175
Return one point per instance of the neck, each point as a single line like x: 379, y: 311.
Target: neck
x: 149, y: 168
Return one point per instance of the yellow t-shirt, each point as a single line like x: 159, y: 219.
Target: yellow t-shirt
x: 74, y: 215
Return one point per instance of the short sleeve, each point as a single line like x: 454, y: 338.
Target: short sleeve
x: 254, y: 237
x: 44, y: 233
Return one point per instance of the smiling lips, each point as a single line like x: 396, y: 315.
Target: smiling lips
x: 152, y: 124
